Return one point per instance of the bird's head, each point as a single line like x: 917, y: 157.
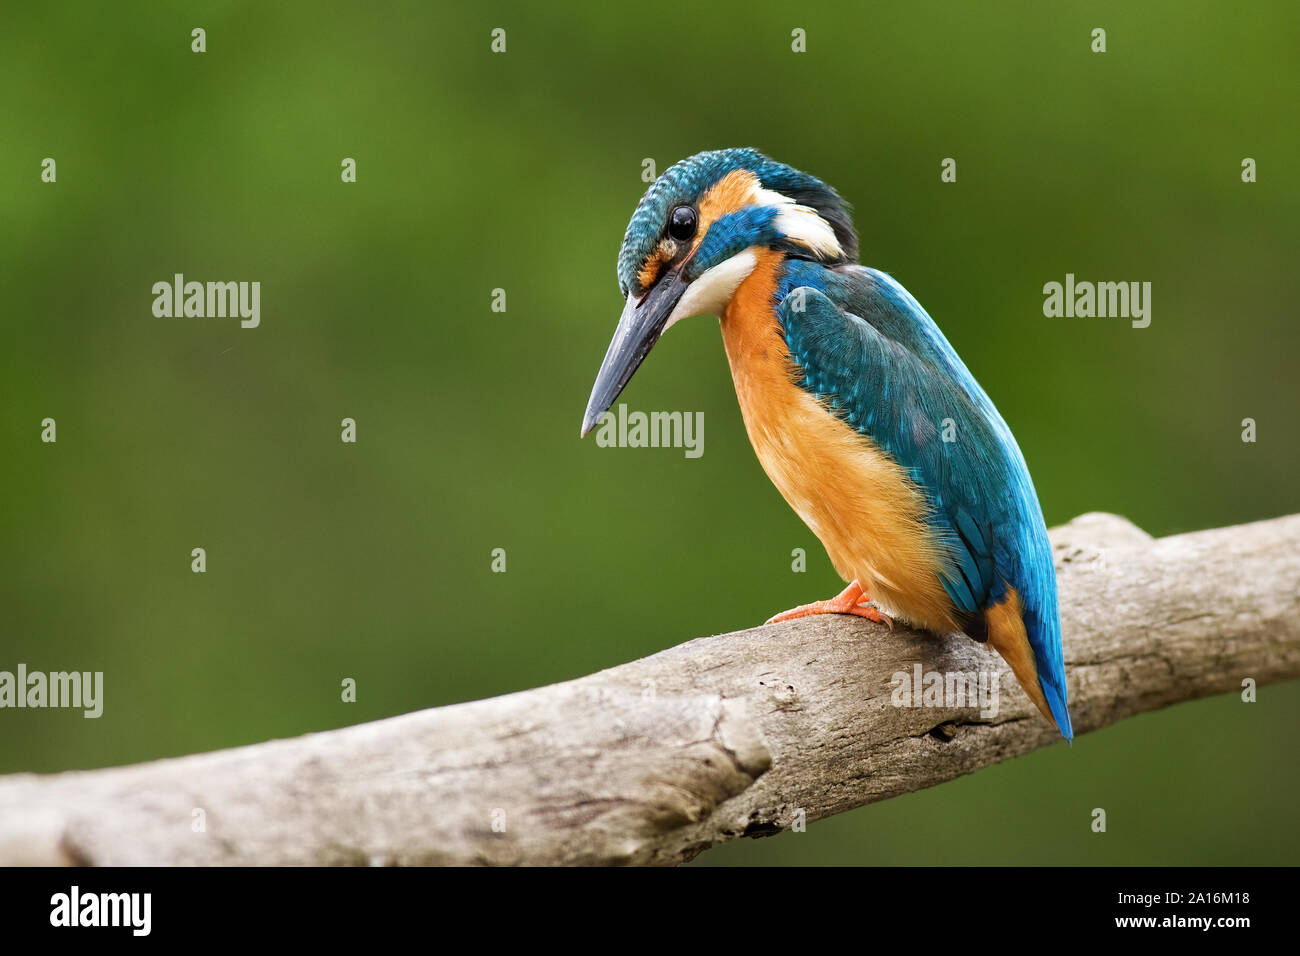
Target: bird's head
x: 696, y: 235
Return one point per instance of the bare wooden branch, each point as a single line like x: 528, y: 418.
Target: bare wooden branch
x: 654, y: 761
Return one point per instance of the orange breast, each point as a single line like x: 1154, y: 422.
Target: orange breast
x: 857, y: 500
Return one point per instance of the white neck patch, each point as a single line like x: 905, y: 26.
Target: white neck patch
x: 803, y: 224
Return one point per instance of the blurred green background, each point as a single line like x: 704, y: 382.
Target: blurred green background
x: 519, y: 171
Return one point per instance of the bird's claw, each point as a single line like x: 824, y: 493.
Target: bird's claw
x: 852, y: 600
x: 873, y: 614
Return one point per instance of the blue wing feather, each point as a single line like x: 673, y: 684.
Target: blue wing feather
x: 867, y: 346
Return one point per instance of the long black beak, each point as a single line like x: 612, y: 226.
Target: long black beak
x: 639, y: 327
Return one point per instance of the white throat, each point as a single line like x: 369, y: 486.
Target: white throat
x: 711, y: 292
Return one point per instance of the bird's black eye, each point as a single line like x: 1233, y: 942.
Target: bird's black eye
x: 681, y: 223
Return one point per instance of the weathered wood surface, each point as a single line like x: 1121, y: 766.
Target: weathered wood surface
x: 654, y: 761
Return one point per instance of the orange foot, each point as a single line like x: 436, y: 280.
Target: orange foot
x: 852, y: 600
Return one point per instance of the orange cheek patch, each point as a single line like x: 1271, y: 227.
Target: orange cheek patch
x: 731, y: 192
x: 649, y: 273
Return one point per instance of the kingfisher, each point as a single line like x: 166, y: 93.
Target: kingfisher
x: 859, y: 410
